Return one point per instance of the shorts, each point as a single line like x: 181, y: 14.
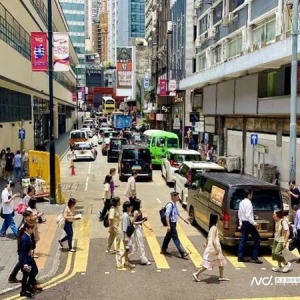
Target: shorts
x: 128, y: 246
x: 8, y: 168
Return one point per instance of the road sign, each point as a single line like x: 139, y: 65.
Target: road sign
x: 146, y: 83
x: 22, y: 134
x: 254, y: 139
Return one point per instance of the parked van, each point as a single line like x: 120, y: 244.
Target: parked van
x: 221, y: 193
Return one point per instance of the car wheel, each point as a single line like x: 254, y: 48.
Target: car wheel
x: 192, y: 216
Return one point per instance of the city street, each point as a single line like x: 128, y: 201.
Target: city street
x: 91, y: 273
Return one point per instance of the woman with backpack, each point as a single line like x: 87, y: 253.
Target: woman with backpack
x: 138, y: 242
x: 114, y: 219
x: 281, y: 238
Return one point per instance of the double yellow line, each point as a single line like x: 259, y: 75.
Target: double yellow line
x: 78, y: 260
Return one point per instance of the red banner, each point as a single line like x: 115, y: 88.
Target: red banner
x: 39, y: 53
x: 163, y: 87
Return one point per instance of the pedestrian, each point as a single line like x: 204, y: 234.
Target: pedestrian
x: 138, y: 241
x: 29, y: 267
x: 30, y: 194
x: 114, y: 226
x: 172, y: 214
x: 294, y: 193
x: 130, y: 191
x: 70, y: 217
x: 18, y: 166
x: 281, y: 238
x: 213, y: 256
x: 297, y: 229
x: 106, y: 197
x: 25, y: 163
x: 126, y: 237
x: 248, y: 226
x: 112, y: 172
x: 27, y: 218
x: 8, y: 210
x: 9, y: 166
x: 3, y: 163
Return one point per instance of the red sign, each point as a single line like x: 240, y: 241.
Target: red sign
x: 163, y: 87
x: 39, y: 53
x: 74, y: 97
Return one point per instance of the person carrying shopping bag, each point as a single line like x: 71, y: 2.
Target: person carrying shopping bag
x: 213, y: 256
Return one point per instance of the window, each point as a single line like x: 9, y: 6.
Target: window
x: 217, y: 13
x: 203, y: 24
x: 262, y: 200
x: 160, y: 142
x: 233, y: 4
x: 265, y: 32
x: 14, y: 106
x: 217, y: 54
x: 271, y: 84
x: 235, y: 47
x: 172, y: 143
x: 201, y: 62
x: 183, y: 171
x: 142, y: 154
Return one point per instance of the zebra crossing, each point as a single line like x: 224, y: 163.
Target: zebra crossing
x: 194, y: 246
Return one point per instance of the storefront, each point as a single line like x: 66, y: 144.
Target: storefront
x: 61, y: 119
x: 41, y: 118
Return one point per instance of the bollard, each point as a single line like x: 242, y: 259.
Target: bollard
x: 72, y: 168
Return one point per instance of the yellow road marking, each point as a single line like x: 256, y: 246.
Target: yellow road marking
x: 233, y: 259
x: 194, y: 255
x: 272, y: 262
x: 160, y: 260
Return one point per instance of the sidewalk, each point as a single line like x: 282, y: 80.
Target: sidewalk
x: 47, y: 248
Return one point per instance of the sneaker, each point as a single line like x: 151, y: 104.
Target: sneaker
x: 129, y: 265
x: 287, y: 268
x: 119, y: 261
x: 277, y: 269
x: 224, y: 279
x: 197, y: 279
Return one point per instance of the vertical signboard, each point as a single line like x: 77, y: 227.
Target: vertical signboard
x: 61, y: 56
x: 125, y: 71
x: 39, y: 55
x: 163, y: 87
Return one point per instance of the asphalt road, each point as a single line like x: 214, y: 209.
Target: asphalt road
x: 95, y: 275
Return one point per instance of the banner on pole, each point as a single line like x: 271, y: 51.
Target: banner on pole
x: 163, y: 87
x: 61, y: 56
x: 39, y: 60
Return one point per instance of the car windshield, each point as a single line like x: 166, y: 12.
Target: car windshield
x: 83, y: 146
x: 180, y: 158
x: 78, y: 135
x: 110, y: 134
x: 172, y: 143
x: 117, y: 143
x: 262, y: 200
x: 142, y: 154
x: 160, y: 142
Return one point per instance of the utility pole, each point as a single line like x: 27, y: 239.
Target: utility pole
x: 293, y: 103
x: 51, y: 106
x: 169, y: 32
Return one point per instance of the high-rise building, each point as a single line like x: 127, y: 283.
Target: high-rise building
x: 88, y: 26
x: 96, y: 9
x: 104, y: 31
x: 97, y: 38
x: 126, y: 21
x: 74, y: 11
x: 150, y: 18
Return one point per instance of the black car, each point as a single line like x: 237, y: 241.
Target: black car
x: 135, y: 158
x: 114, y: 149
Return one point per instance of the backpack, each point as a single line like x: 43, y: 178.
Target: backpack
x: 162, y: 214
x: 291, y: 230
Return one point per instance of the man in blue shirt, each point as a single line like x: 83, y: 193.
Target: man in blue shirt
x: 172, y: 215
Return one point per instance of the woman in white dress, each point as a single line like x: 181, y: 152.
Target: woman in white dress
x: 213, y: 256
x: 138, y: 240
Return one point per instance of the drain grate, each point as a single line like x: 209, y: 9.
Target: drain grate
x: 69, y: 186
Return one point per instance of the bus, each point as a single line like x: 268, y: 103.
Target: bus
x: 108, y: 105
x: 159, y: 141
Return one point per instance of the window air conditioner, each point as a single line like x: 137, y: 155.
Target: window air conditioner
x: 198, y: 3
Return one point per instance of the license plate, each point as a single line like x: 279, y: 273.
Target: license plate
x: 82, y: 152
x: 136, y: 168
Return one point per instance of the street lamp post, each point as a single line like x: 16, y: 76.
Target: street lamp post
x: 169, y: 32
x: 51, y: 106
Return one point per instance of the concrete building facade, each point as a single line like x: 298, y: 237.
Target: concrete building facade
x: 242, y: 55
x: 24, y: 95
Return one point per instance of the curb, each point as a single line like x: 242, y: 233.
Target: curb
x: 55, y: 264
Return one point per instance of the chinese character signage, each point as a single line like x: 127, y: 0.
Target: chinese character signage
x: 124, y: 71
x: 39, y: 55
x: 172, y: 87
x: 61, y: 57
x: 163, y: 87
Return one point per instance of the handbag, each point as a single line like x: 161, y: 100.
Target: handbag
x: 1, y: 213
x: 130, y: 229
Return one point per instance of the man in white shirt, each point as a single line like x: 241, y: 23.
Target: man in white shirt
x: 248, y: 226
x: 8, y: 210
x: 130, y: 191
